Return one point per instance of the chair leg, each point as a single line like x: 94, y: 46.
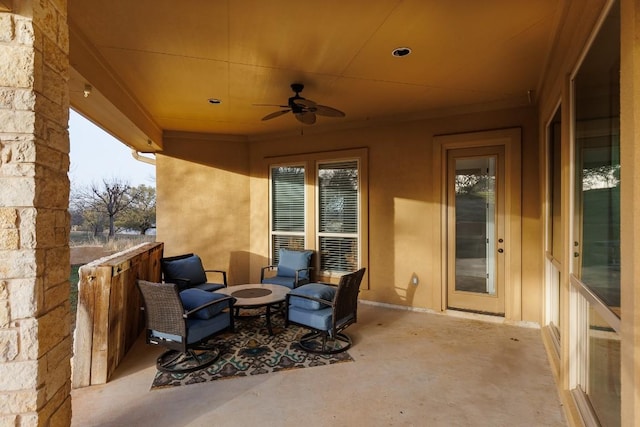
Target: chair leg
x: 177, y: 362
x: 321, y: 343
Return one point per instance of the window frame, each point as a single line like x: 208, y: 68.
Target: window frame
x: 318, y: 234
x: 272, y: 232
x: 310, y: 162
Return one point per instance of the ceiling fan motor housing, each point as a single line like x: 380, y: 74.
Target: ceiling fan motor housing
x: 295, y: 107
x: 304, y: 109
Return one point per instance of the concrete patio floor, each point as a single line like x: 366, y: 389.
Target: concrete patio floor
x: 410, y: 369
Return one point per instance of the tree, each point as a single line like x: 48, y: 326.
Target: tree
x: 85, y: 211
x: 141, y: 213
x: 112, y: 198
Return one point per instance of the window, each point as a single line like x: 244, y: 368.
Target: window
x: 338, y: 188
x: 554, y: 221
x: 597, y: 166
x: 554, y: 185
x: 595, y: 272
x: 287, y: 208
x: 328, y: 217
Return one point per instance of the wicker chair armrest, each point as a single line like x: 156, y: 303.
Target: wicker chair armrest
x: 228, y: 299
x: 224, y: 275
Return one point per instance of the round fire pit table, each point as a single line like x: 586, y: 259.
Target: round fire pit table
x: 257, y: 296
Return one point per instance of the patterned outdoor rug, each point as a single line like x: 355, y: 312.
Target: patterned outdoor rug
x: 252, y: 351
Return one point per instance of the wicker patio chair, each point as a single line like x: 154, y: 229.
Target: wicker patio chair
x: 326, y: 310
x: 187, y: 272
x: 293, y: 269
x: 183, y: 322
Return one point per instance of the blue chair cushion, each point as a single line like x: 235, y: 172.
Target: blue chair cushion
x: 289, y: 282
x: 316, y: 290
x: 209, y: 287
x: 198, y: 329
x: 193, y: 298
x: 290, y: 261
x: 186, y: 268
x: 320, y: 320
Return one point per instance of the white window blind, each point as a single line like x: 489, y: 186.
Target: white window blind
x: 338, y: 216
x: 287, y: 208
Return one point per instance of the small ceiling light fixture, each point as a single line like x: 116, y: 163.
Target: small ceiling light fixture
x: 399, y: 52
x: 87, y: 90
x: 215, y: 101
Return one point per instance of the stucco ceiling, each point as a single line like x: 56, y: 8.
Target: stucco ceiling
x: 153, y: 64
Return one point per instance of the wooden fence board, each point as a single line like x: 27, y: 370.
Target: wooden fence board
x: 109, y: 320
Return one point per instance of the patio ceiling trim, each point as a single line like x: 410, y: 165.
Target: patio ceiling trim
x: 121, y: 114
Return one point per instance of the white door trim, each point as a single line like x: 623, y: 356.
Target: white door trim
x: 511, y: 140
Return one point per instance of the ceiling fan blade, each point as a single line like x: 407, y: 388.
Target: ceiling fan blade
x: 323, y: 110
x: 307, y: 117
x: 275, y: 114
x: 302, y: 102
x: 270, y: 105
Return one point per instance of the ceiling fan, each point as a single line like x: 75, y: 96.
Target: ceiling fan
x: 305, y: 110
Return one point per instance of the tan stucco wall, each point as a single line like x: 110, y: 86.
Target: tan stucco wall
x: 213, y: 200
x: 402, y: 203
x: 203, y: 201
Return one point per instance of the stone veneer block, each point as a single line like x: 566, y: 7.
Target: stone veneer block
x: 8, y: 345
x: 16, y: 191
x: 9, y: 239
x: 5, y: 315
x: 16, y: 376
x: 7, y: 27
x: 16, y: 402
x: 24, y: 298
x: 8, y: 217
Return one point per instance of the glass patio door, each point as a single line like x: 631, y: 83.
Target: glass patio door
x: 475, y: 230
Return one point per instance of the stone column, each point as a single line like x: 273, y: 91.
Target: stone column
x: 35, y: 339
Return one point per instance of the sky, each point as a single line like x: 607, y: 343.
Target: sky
x: 95, y: 155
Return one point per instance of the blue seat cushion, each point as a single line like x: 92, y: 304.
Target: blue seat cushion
x: 316, y: 290
x: 291, y: 261
x: 198, y: 329
x: 209, y: 287
x: 319, y: 320
x: 289, y: 282
x: 193, y: 298
x: 189, y: 268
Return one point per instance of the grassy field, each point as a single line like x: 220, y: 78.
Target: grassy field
x: 79, y: 239
x: 73, y: 279
x: 119, y: 243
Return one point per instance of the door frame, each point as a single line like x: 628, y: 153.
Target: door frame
x: 479, y: 302
x: 510, y: 139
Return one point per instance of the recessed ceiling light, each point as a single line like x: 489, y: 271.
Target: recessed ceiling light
x: 214, y: 101
x: 401, y: 51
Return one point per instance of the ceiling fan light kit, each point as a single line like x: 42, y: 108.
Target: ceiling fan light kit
x: 304, y: 110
